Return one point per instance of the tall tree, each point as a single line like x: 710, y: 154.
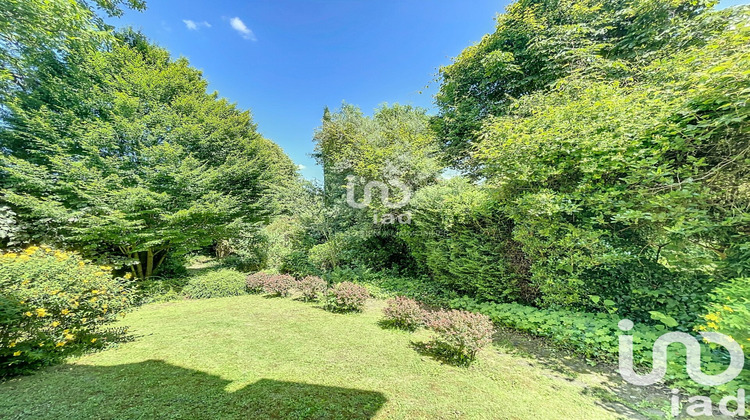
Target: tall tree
x: 125, y: 152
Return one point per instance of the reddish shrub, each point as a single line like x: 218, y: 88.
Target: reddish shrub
x: 278, y: 284
x: 460, y: 334
x: 255, y: 282
x: 312, y: 287
x: 346, y: 297
x: 404, y: 313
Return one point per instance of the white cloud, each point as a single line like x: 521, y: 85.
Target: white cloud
x: 239, y: 26
x: 301, y: 167
x: 194, y: 26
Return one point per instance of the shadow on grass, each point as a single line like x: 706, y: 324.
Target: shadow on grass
x: 440, y: 353
x: 390, y: 325
x: 155, y: 389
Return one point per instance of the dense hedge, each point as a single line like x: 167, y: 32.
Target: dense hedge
x: 219, y: 283
x: 53, y: 304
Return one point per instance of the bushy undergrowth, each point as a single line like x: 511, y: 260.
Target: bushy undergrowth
x: 219, y: 283
x: 312, y: 287
x: 596, y: 336
x: 402, y: 312
x: 346, y: 297
x: 55, y: 303
x: 459, y: 334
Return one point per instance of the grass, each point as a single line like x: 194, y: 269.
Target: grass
x: 255, y: 357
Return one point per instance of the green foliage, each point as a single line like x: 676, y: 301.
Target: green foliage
x: 538, y: 42
x: 729, y: 311
x: 216, y: 283
x: 124, y: 153
x: 595, y: 336
x: 53, y: 304
x: 346, y: 297
x: 463, y: 240
x: 402, y: 312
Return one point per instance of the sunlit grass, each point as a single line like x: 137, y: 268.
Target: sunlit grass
x: 254, y: 357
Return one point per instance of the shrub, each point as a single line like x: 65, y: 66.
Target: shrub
x: 256, y: 281
x: 312, y: 287
x: 278, y: 284
x: 404, y: 313
x: 730, y: 311
x: 218, y: 283
x: 460, y: 334
x: 55, y: 303
x: 346, y: 297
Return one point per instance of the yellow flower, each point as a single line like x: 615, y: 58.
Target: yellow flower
x: 41, y: 312
x: 712, y: 326
x: 30, y: 250
x: 128, y: 276
x: 65, y: 311
x: 12, y: 344
x: 56, y: 323
x: 10, y: 255
x: 728, y: 308
x: 18, y: 353
x: 81, y: 263
x: 59, y: 344
x: 69, y: 336
x: 712, y: 317
x: 93, y: 340
x: 28, y: 313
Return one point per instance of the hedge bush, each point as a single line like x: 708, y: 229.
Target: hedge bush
x: 346, y: 297
x: 402, y: 312
x: 219, y: 283
x: 255, y: 282
x: 312, y: 287
x: 55, y: 303
x: 460, y: 334
x: 278, y: 284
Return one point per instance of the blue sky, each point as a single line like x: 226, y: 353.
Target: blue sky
x: 287, y: 59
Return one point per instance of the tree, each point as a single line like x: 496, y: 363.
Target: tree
x: 538, y: 42
x: 126, y: 153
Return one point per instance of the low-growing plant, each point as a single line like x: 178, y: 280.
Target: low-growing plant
x: 255, y: 282
x: 459, y: 334
x: 278, y: 284
x: 402, y: 312
x: 346, y: 297
x: 312, y: 288
x: 596, y: 337
x: 53, y: 304
x: 219, y: 283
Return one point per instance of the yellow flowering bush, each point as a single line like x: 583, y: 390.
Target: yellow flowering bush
x: 54, y: 303
x: 730, y: 311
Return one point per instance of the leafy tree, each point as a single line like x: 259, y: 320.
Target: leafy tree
x: 538, y: 42
x: 126, y: 153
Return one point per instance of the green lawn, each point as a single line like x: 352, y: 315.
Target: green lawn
x: 255, y: 357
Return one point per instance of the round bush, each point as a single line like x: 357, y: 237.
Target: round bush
x: 219, y: 283
x: 278, y: 284
x: 312, y: 287
x: 256, y: 281
x: 404, y: 313
x: 346, y: 297
x: 460, y: 334
x: 54, y: 303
